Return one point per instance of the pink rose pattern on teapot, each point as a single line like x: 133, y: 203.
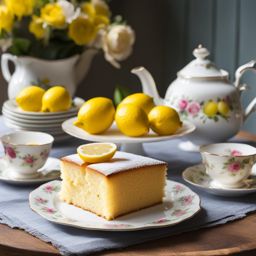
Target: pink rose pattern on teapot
x: 204, y: 110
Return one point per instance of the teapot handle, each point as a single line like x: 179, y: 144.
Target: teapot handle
x: 239, y: 72
x: 251, y: 65
x: 6, y: 57
x: 250, y: 108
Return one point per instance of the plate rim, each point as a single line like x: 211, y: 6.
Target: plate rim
x: 34, y: 121
x: 28, y: 125
x: 36, y: 117
x: 131, y: 229
x: 91, y: 137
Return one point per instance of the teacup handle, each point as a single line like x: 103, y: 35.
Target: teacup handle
x: 6, y: 57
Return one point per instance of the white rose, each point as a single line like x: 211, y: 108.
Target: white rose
x: 117, y: 43
x: 69, y: 10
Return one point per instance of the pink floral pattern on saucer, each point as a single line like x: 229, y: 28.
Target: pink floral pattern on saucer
x: 180, y: 204
x: 40, y: 200
x: 178, y: 188
x: 50, y: 189
x: 48, y: 210
x: 179, y: 212
x: 187, y: 200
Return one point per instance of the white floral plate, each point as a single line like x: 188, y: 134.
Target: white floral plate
x: 50, y: 171
x: 197, y: 176
x: 180, y: 204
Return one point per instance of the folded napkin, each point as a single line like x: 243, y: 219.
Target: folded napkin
x: 15, y: 211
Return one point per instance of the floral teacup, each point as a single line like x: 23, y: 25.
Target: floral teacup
x: 228, y: 164
x: 26, y: 152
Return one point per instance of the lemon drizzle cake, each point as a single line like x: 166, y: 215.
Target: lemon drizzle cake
x: 125, y: 184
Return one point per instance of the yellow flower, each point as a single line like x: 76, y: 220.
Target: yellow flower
x: 89, y: 9
x: 101, y: 21
x: 98, y: 12
x: 101, y: 8
x: 20, y: 8
x: 82, y: 30
x: 36, y: 27
x: 53, y: 15
x: 6, y: 19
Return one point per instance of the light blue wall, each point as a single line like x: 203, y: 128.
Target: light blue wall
x: 226, y: 27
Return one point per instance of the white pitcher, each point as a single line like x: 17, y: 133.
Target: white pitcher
x: 68, y: 72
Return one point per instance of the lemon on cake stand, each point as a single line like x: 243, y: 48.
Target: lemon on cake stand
x: 127, y: 144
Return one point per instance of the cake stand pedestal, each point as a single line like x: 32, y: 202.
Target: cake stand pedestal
x: 188, y: 146
x: 135, y: 148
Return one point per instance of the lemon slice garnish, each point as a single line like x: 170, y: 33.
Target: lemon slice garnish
x: 96, y: 152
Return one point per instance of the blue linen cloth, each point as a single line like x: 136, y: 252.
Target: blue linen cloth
x: 15, y: 211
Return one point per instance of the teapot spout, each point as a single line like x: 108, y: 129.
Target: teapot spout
x: 148, y: 84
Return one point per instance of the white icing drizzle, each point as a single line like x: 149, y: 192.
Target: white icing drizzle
x: 121, y: 161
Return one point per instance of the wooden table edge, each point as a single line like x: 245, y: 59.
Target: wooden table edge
x: 18, y: 242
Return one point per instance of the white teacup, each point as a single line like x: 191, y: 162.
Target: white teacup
x: 228, y: 164
x: 26, y: 152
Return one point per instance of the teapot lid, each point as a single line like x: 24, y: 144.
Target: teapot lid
x: 201, y: 67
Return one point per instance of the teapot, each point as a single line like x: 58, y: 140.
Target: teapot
x: 204, y: 95
x: 68, y: 72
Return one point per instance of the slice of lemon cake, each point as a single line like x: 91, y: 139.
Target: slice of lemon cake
x: 122, y: 185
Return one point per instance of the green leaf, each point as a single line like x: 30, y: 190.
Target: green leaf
x: 120, y: 93
x: 20, y: 46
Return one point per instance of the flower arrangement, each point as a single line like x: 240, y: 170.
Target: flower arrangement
x: 57, y: 29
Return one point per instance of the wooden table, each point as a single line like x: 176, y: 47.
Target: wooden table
x: 235, y: 238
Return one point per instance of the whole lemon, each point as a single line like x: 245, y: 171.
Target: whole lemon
x: 56, y: 99
x: 131, y: 120
x: 164, y: 120
x: 141, y: 100
x: 211, y: 108
x: 30, y: 98
x: 96, y: 115
x: 223, y: 108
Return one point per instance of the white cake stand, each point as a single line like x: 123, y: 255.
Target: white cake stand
x: 128, y: 144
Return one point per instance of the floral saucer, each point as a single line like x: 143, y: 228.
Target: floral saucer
x: 197, y: 176
x: 179, y: 204
x: 50, y: 171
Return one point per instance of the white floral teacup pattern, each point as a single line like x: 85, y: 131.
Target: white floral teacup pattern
x: 228, y: 165
x: 23, y: 158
